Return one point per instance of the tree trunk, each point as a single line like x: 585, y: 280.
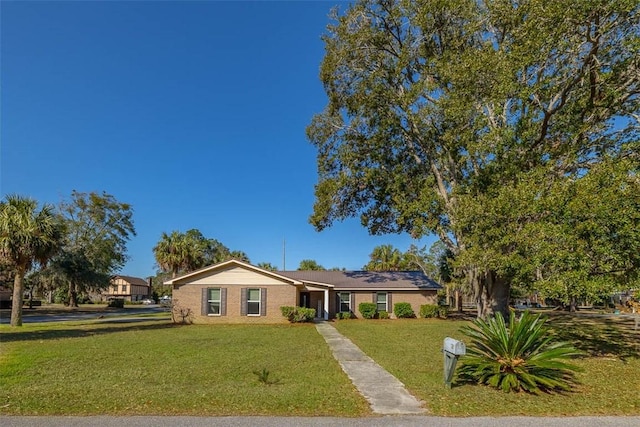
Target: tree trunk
x: 458, y: 300
x: 573, y: 305
x: 73, y: 295
x: 491, y: 293
x: 16, y: 303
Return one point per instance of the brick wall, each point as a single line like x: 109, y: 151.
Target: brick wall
x: 277, y: 295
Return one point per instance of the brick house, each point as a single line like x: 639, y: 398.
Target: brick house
x: 237, y: 292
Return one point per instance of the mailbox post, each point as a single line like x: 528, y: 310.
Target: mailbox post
x: 452, y: 349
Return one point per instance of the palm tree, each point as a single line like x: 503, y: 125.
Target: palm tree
x: 27, y: 237
x: 310, y: 265
x: 179, y: 252
x: 267, y: 266
x: 239, y: 256
x: 385, y: 258
x: 170, y: 252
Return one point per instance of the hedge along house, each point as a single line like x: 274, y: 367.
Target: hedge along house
x: 237, y: 292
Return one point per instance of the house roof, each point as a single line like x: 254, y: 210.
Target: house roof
x: 358, y: 280
x: 132, y: 280
x: 338, y: 280
x: 232, y: 263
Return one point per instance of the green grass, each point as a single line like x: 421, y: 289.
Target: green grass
x: 145, y: 368
x: 411, y: 350
x: 154, y: 367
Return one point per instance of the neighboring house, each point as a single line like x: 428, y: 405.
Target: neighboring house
x: 127, y: 288
x: 234, y: 291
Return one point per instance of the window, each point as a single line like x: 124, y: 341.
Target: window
x: 381, y: 301
x: 115, y: 289
x: 253, y: 302
x: 345, y: 302
x: 124, y: 288
x: 214, y: 301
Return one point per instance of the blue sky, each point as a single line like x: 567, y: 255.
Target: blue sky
x: 192, y: 112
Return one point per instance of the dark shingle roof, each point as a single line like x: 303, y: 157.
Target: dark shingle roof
x: 133, y: 280
x: 366, y: 279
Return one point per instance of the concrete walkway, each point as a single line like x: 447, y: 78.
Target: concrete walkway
x: 384, y: 392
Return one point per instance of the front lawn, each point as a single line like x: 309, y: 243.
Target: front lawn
x: 147, y: 368
x: 157, y: 368
x: 411, y: 350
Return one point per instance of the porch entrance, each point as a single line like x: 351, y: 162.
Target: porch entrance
x: 317, y: 298
x: 305, y: 299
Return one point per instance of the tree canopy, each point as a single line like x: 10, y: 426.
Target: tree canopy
x: 386, y: 258
x: 95, y: 245
x: 310, y: 264
x: 179, y: 252
x: 267, y: 266
x: 487, y: 123
x: 433, y: 261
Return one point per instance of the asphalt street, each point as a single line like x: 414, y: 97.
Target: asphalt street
x: 35, y: 316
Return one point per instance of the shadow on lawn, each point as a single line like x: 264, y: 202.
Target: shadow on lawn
x: 598, y: 336
x: 87, y: 330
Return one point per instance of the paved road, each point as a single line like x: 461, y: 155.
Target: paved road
x: 35, y: 316
x: 385, y: 421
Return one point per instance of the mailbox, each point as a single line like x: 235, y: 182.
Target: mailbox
x: 454, y: 347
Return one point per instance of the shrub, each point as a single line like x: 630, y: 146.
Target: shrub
x: 429, y: 310
x: 403, y: 310
x: 368, y: 310
x: 303, y: 314
x: 180, y: 314
x: 432, y: 310
x: 383, y: 315
x: 61, y: 296
x: 298, y: 314
x: 116, y: 303
x: 520, y: 356
x: 287, y: 311
x: 442, y: 297
x: 443, y: 311
x: 344, y: 315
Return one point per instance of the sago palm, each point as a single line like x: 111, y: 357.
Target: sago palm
x: 520, y: 356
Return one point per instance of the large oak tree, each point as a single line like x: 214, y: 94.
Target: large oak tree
x: 482, y: 122
x: 95, y: 247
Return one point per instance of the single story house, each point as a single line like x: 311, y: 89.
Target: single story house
x: 234, y: 291
x: 128, y: 288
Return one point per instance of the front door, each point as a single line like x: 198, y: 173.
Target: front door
x: 305, y: 299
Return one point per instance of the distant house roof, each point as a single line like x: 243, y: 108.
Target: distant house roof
x: 132, y: 280
x: 355, y: 280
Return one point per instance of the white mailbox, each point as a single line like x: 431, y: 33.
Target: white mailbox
x: 454, y: 347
